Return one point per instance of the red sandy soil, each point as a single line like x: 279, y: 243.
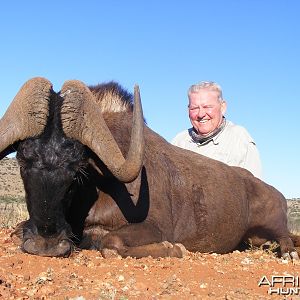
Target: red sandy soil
x: 87, y: 275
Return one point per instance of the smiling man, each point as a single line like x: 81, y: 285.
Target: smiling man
x: 214, y: 136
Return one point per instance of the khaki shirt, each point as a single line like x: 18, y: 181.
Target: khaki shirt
x: 233, y: 146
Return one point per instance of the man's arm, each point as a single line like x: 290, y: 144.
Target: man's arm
x: 252, y: 160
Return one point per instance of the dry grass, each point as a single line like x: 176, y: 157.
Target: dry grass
x: 294, y: 216
x: 12, y: 213
x: 10, y: 180
x: 12, y: 205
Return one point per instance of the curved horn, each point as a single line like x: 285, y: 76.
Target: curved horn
x: 27, y: 114
x: 79, y: 112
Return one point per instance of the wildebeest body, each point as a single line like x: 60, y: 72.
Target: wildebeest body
x: 203, y: 209
x: 75, y: 191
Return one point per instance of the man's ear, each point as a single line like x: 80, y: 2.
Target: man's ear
x: 223, y: 107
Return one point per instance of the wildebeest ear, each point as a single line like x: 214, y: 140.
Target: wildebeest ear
x: 27, y: 114
x: 82, y: 120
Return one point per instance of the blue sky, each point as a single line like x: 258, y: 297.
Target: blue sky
x: 250, y: 47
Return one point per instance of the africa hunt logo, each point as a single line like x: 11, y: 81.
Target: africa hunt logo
x: 285, y: 285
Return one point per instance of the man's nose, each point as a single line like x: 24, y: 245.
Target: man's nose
x: 201, y: 113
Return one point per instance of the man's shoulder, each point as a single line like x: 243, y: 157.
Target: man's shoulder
x: 180, y: 137
x: 238, y: 131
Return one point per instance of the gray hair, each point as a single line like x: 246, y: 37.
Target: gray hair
x: 209, y: 85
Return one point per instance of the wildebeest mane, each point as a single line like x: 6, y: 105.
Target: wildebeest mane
x: 111, y: 97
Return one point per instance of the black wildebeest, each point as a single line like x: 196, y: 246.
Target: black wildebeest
x: 96, y: 176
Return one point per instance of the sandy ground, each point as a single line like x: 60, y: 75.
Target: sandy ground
x: 87, y: 275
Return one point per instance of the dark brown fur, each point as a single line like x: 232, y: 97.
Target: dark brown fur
x: 179, y: 196
x: 199, y: 202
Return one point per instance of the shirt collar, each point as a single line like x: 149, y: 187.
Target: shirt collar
x: 213, y: 137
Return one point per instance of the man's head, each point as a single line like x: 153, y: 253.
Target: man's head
x: 206, y: 106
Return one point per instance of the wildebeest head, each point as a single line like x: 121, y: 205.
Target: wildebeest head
x: 53, y: 132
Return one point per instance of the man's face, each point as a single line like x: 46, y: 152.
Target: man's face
x: 206, y: 110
